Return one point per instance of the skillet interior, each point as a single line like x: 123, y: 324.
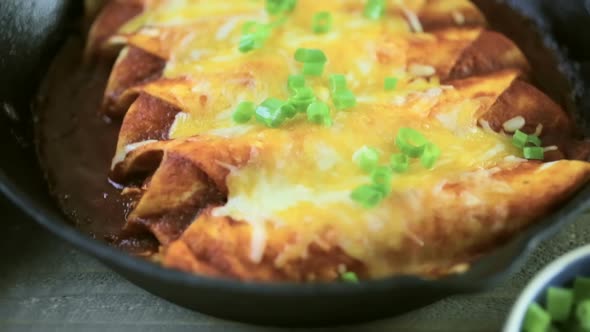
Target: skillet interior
x: 35, y: 30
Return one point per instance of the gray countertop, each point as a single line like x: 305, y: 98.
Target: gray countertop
x: 47, y: 285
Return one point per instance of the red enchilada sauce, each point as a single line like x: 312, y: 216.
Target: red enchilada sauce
x: 76, y: 145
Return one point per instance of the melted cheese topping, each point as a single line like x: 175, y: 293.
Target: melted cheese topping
x: 304, y: 173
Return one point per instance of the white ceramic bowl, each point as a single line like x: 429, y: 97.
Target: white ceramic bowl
x: 560, y: 272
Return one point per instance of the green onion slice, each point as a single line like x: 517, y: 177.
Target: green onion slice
x: 313, y: 60
x: 399, y: 163
x: 295, y: 82
x: 344, y: 99
x: 581, y: 289
x: 288, y: 110
x: 390, y: 83
x: 310, y: 55
x: 430, y: 155
x: 341, y: 96
x: 313, y: 68
x: 247, y: 43
x: 533, y: 153
x: 367, y: 158
x: 302, y: 98
x: 319, y: 112
x: 519, y: 139
x: 349, y: 277
x: 367, y: 195
x: 559, y: 303
x: 411, y: 142
x: 275, y: 7
x: 374, y: 9
x: 322, y: 22
x: 269, y: 112
x: 254, y: 35
x: 244, y: 112
x: 534, y: 140
x: 583, y: 314
x: 536, y: 319
x: 337, y: 83
x: 381, y: 178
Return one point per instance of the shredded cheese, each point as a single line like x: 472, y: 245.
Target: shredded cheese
x: 419, y: 70
x: 458, y: 17
x: 413, y: 20
x: 301, y: 172
x: 539, y: 130
x: 514, y: 124
x: 119, y: 157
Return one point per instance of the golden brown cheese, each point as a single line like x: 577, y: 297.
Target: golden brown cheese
x: 434, y: 241
x: 276, y: 201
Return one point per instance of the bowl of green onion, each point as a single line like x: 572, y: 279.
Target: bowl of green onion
x: 557, y: 299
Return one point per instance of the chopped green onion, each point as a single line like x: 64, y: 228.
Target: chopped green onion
x: 533, y: 153
x: 581, y: 289
x: 390, y: 83
x: 337, y: 83
x: 366, y: 158
x: 273, y: 103
x: 274, y: 7
x: 341, y: 96
x: 567, y: 308
x: 319, y: 112
x: 269, y: 112
x: 559, y: 303
x: 244, y: 112
x: 583, y: 314
x: 381, y: 178
x: 247, y: 43
x: 322, y: 22
x: 399, y: 163
x: 344, y: 99
x: 411, y: 142
x: 523, y: 141
x: 313, y: 68
x: 255, y: 28
x: 254, y: 35
x: 536, y: 319
x: 295, y: 82
x: 367, y: 195
x: 302, y: 98
x: 430, y: 155
x: 349, y: 277
x: 313, y: 60
x: 251, y: 27
x: 519, y: 139
x: 534, y: 140
x: 310, y: 55
x: 288, y: 110
x: 374, y: 9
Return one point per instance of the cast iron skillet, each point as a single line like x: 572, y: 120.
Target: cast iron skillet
x: 31, y: 34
